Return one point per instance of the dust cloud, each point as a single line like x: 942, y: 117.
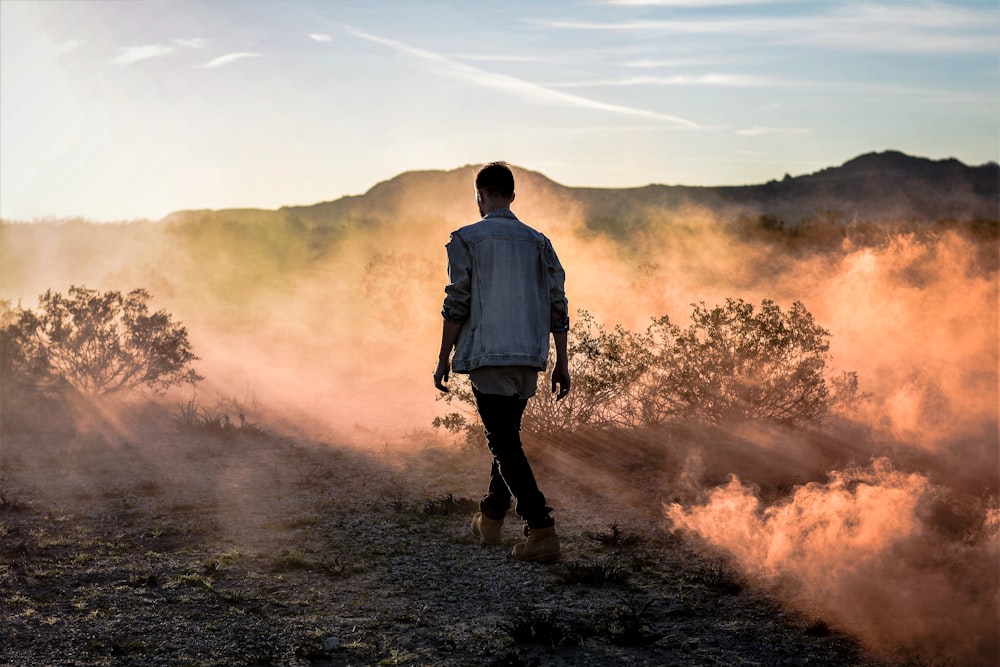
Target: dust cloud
x: 884, y: 524
x: 884, y: 554
x: 900, y: 544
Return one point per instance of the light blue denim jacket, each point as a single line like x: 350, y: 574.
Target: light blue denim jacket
x: 507, y: 289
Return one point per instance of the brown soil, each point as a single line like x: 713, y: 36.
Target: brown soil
x: 141, y: 544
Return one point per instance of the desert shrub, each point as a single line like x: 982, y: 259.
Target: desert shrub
x: 227, y: 417
x: 632, y: 622
x: 605, y: 367
x: 546, y: 627
x: 465, y: 421
x: 615, y: 537
x: 447, y: 504
x: 96, y: 343
x: 601, y: 573
x: 733, y: 362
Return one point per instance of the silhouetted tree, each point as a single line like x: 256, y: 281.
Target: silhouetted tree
x: 96, y: 343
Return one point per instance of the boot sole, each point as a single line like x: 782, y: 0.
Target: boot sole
x: 545, y: 559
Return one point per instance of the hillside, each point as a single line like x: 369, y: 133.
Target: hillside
x: 871, y: 187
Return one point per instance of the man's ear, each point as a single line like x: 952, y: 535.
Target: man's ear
x: 512, y: 195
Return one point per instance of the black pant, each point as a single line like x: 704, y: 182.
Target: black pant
x: 510, y: 474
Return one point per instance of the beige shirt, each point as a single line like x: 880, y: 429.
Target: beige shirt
x: 515, y: 381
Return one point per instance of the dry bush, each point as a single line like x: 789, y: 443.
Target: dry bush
x: 95, y: 343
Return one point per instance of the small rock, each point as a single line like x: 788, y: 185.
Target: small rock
x: 331, y: 644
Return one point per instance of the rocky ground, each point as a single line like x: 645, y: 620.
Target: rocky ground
x: 153, y: 545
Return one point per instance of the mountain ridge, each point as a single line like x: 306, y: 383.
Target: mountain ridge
x: 872, y: 186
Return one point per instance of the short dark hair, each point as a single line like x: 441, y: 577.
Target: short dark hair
x: 496, y: 178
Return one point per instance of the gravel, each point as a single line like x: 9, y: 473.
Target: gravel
x: 144, y: 545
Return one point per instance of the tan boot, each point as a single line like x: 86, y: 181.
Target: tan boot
x: 487, y: 529
x: 542, y: 546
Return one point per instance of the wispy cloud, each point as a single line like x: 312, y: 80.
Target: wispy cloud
x: 651, y: 63
x: 133, y: 54
x: 931, y: 27
x: 690, y: 3
x: 320, y: 37
x: 228, y: 59
x: 195, y: 43
x: 513, y: 85
x: 758, y: 131
x: 497, y: 58
x: 724, y: 80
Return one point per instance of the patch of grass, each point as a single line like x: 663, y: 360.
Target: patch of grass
x: 121, y: 648
x: 46, y: 541
x: 546, y: 628
x: 818, y: 628
x: 718, y: 577
x: 226, y: 558
x: 644, y: 563
x: 447, y: 504
x: 394, y: 496
x: 632, y: 622
x: 593, y: 574
x: 8, y: 503
x: 191, y: 579
x: 15, y: 549
x: 227, y: 418
x: 81, y: 558
x: 615, y: 537
x: 512, y: 659
x: 292, y: 561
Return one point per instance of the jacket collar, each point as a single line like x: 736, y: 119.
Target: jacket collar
x: 500, y: 213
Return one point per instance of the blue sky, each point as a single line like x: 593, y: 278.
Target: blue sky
x: 121, y: 110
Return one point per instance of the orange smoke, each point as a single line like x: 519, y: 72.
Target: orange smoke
x: 881, y: 553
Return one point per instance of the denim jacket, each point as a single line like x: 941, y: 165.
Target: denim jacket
x: 507, y: 289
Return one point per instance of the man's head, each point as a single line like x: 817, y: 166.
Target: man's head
x: 496, y: 179
x: 494, y: 187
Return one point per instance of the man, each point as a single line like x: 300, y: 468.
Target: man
x: 505, y: 296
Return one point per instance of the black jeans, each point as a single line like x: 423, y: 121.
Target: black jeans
x: 510, y: 474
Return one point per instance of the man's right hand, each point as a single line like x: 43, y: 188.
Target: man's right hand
x: 560, y: 381
x: 441, y: 374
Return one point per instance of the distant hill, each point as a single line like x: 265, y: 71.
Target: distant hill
x: 872, y: 187
x: 232, y: 253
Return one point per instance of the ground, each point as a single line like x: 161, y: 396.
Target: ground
x: 136, y: 542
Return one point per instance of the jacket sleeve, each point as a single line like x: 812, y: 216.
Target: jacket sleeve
x: 557, y: 291
x: 458, y: 291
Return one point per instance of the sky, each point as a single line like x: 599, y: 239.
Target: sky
x: 119, y: 110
